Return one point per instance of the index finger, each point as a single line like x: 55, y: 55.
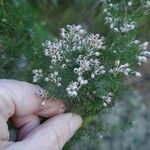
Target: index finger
x: 19, y: 101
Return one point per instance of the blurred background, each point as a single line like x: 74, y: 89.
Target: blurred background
x: 134, y: 107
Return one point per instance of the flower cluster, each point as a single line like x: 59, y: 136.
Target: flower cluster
x: 73, y: 87
x: 124, y: 69
x: 123, y: 24
x: 87, y: 46
x: 87, y: 64
x: 37, y: 75
x: 144, y: 54
x: 117, y: 23
x: 107, y: 99
x: 76, y: 61
x: 127, y: 27
x: 54, y: 51
x: 53, y: 77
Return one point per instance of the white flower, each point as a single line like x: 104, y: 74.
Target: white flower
x: 144, y: 46
x: 116, y: 30
x: 127, y: 27
x: 147, y: 4
x: 121, y: 68
x: 130, y: 3
x: 72, y: 89
x: 145, y: 53
x: 64, y: 66
x: 107, y: 99
x: 97, y: 53
x: 46, y: 79
x: 137, y: 42
x: 82, y: 82
x: 138, y: 74
x: 105, y: 10
x: 104, y: 104
x: 142, y: 59
x: 95, y: 42
x: 37, y: 75
x: 59, y: 84
x: 92, y: 75
x: 56, y: 73
x: 73, y: 93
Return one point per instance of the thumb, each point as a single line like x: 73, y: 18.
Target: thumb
x: 54, y: 133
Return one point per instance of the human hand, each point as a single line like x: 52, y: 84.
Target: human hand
x: 19, y: 102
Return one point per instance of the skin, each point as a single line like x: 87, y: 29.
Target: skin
x: 20, y: 104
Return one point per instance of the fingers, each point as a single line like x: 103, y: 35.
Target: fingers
x: 55, y: 132
x: 4, y: 134
x: 22, y: 97
x: 32, y: 123
x: 19, y: 101
x: 52, y: 108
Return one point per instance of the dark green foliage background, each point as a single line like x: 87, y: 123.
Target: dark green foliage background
x: 20, y: 36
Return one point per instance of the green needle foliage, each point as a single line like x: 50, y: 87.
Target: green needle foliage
x: 87, y: 71
x: 20, y: 35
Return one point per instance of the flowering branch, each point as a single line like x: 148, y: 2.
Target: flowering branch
x: 84, y: 70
